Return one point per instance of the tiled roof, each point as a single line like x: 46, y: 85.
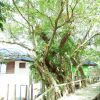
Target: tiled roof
x: 89, y: 63
x: 14, y: 54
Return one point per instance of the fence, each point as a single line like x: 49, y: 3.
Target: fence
x: 26, y: 92
x: 16, y: 92
x: 49, y: 93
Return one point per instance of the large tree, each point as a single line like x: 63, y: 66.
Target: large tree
x: 54, y: 28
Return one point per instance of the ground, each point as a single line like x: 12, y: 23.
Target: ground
x: 87, y: 93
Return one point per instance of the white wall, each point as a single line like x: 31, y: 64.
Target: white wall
x: 21, y: 74
x: 19, y: 77
x: 3, y: 68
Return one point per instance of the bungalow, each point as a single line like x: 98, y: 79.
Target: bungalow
x: 14, y: 75
x: 87, y: 66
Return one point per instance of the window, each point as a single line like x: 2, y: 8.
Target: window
x: 10, y: 67
x: 22, y: 65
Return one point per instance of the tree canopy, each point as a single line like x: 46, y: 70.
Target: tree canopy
x: 59, y: 33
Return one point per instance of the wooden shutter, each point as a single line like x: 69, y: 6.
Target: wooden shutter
x: 10, y: 67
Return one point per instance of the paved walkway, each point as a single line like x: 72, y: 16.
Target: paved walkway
x: 87, y: 93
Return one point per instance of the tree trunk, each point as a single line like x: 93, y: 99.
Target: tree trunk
x: 49, y: 82
x: 82, y: 76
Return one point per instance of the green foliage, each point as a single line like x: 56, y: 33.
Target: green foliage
x: 70, y: 46
x: 34, y: 73
x: 2, y: 18
x: 46, y: 22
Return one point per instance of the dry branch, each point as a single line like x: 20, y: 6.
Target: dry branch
x: 20, y: 44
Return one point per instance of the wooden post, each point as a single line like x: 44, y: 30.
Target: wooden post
x: 73, y: 85
x: 80, y: 84
x: 31, y: 91
x: 15, y: 92
x: 20, y: 92
x: 26, y: 93
x: 7, y: 91
x: 90, y: 80
x: 86, y: 80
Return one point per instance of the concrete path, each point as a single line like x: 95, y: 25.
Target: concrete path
x: 87, y: 93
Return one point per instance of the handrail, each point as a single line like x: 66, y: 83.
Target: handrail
x: 40, y: 97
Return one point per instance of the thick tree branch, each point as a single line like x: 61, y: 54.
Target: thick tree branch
x: 55, y: 29
x: 64, y: 39
x: 20, y: 44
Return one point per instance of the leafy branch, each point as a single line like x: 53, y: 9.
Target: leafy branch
x: 18, y: 22
x: 42, y: 14
x: 87, y: 33
x: 73, y: 8
x: 21, y: 13
x: 83, y: 44
x: 68, y: 20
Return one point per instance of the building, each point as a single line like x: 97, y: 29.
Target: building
x: 14, y: 75
x: 87, y: 66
